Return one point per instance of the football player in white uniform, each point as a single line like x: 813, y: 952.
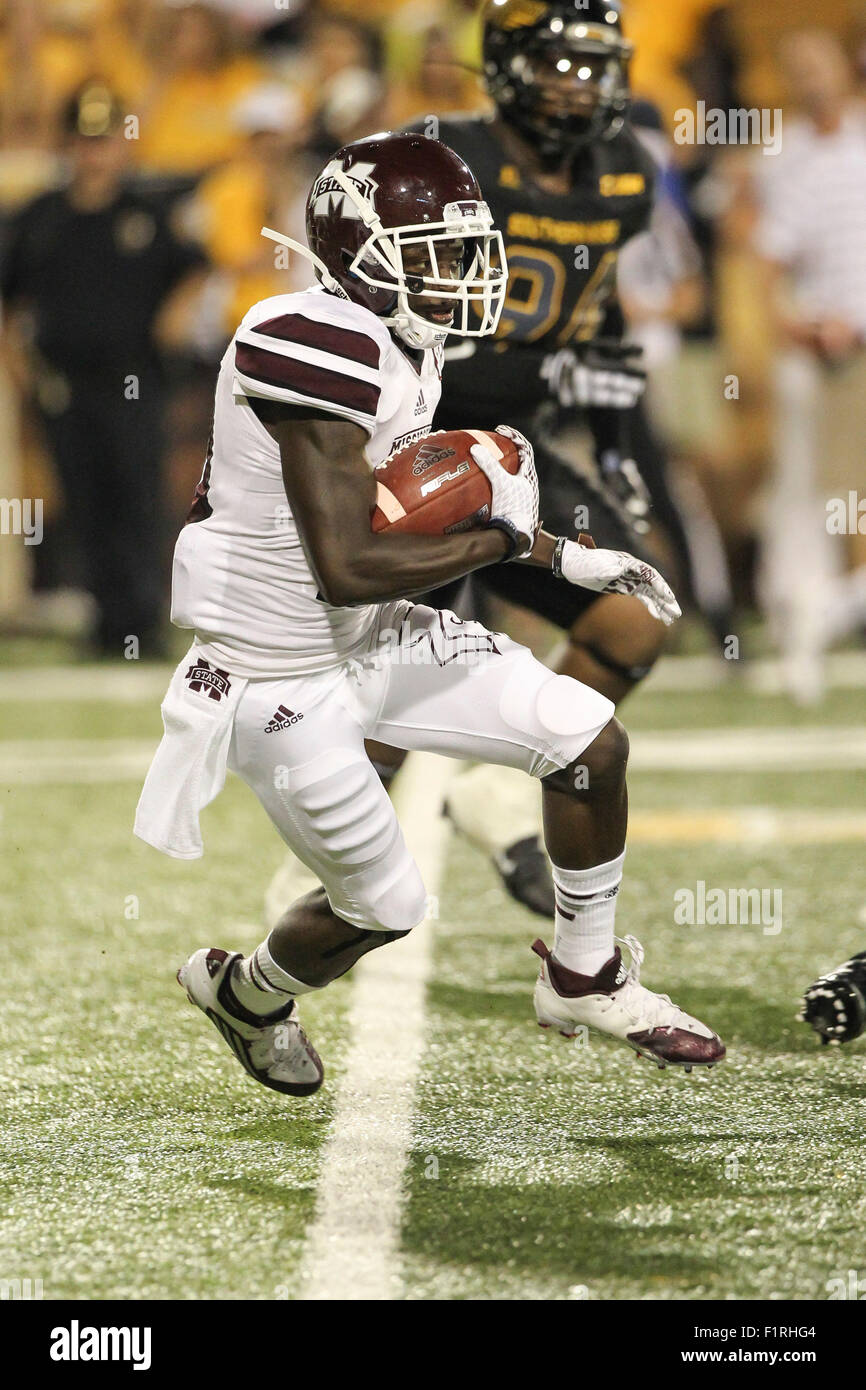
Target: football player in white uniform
x: 306, y: 643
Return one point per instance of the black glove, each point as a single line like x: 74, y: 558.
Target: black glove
x: 626, y: 489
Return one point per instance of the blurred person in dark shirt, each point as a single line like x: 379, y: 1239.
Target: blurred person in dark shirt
x: 90, y: 266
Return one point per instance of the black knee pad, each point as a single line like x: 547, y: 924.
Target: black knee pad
x: 633, y: 674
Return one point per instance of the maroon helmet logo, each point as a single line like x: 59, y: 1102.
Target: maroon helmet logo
x: 329, y: 198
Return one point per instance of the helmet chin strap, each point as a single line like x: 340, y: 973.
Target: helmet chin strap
x: 413, y: 335
x: 327, y: 278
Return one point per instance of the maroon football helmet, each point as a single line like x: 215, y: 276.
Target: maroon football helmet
x: 379, y: 196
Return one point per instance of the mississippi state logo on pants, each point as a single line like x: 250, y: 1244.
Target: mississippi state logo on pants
x: 210, y: 680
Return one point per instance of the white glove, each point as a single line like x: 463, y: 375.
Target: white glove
x: 577, y: 383
x: 615, y: 572
x: 514, y: 508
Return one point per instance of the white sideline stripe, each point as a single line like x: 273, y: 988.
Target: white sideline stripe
x: 125, y: 683
x: 26, y: 762
x: 763, y: 676
x: 802, y: 750
x: 353, y: 1246
x: 129, y: 681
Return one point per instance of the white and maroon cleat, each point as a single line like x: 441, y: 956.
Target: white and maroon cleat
x: 615, y: 1002
x: 275, y: 1049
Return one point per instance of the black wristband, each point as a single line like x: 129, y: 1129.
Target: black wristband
x: 508, y: 528
x: 556, y: 561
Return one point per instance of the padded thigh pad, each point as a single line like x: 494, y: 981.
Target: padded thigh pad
x: 553, y: 711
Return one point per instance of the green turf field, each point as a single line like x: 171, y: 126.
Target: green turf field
x: 139, y: 1161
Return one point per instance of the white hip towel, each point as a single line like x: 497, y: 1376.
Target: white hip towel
x: 189, y: 767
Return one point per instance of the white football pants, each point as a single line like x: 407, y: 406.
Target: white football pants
x: 430, y: 682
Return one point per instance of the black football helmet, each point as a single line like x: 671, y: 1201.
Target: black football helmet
x: 557, y: 70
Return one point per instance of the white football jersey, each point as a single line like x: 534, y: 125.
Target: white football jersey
x: 241, y: 580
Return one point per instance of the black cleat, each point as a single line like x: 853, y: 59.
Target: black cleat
x: 835, y: 1005
x: 525, y: 872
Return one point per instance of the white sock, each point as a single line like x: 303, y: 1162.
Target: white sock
x: 262, y: 986
x: 585, y: 911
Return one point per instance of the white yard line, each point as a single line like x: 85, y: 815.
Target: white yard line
x: 806, y: 750
x: 763, y: 676
x: 56, y: 761
x: 353, y: 1246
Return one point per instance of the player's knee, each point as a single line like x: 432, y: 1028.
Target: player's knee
x: 606, y: 757
x: 402, y: 906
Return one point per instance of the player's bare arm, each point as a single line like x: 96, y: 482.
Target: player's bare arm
x: 332, y: 493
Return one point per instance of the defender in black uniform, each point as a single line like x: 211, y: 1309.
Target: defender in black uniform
x: 568, y: 183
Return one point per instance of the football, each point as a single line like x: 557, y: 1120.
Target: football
x: 434, y: 487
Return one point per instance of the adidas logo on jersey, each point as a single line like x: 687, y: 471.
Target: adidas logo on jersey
x: 421, y: 408
x: 283, y: 719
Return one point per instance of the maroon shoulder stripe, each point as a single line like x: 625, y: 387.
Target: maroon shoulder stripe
x: 327, y: 337
x: 331, y: 388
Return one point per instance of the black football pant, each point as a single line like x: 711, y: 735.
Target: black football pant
x: 108, y: 454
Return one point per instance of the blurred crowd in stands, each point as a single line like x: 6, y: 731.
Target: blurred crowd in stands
x: 137, y: 252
